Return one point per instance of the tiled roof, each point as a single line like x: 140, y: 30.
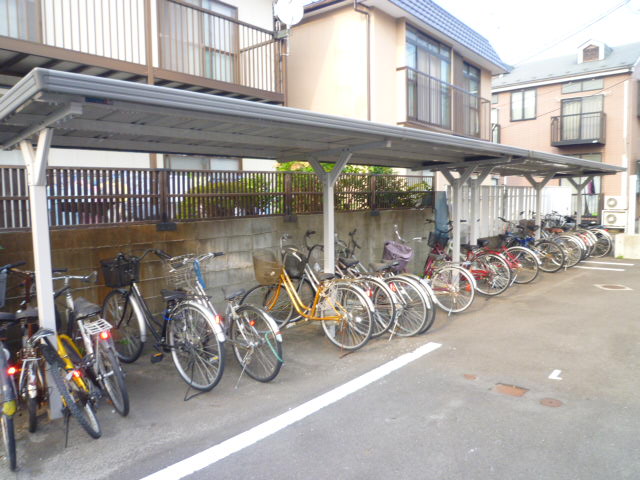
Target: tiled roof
x: 438, y: 18
x: 623, y: 56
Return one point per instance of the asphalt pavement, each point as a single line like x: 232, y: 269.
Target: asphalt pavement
x: 537, y: 383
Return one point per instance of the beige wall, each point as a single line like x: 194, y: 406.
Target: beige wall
x: 536, y: 134
x: 327, y: 65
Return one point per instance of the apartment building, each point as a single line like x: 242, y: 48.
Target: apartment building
x: 399, y: 62
x: 215, y: 47
x: 583, y: 105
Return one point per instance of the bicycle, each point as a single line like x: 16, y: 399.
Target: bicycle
x: 188, y: 330
x: 551, y: 256
x: 343, y: 309
x: 96, y: 356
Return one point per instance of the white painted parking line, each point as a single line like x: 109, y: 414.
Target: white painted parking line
x: 602, y: 268
x: 610, y: 263
x: 235, y: 444
x: 555, y: 375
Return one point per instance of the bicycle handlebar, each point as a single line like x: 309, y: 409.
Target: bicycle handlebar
x: 11, y: 266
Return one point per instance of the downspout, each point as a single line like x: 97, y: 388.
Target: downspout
x: 368, y: 15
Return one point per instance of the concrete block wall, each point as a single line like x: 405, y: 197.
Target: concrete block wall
x: 80, y: 250
x: 626, y: 246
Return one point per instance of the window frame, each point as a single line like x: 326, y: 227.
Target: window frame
x: 535, y: 105
x: 582, y: 89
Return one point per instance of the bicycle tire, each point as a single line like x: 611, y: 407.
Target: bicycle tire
x: 111, y: 377
x: 603, y: 244
x: 527, y: 264
x: 573, y: 250
x: 353, y: 330
x: 126, y: 327
x: 425, y: 288
x: 262, y: 296
x: 385, y: 310
x: 33, y: 401
x: 77, y: 403
x: 257, y: 343
x: 197, y: 352
x: 413, y: 308
x: 552, y: 257
x: 9, y: 440
x: 453, y: 288
x: 492, y: 274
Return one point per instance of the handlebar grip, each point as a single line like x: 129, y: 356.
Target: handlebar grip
x: 13, y: 265
x: 59, y: 270
x: 218, y: 254
x: 161, y: 253
x: 308, y: 233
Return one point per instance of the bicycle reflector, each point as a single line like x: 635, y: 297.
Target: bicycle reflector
x: 12, y: 371
x: 252, y: 323
x: 105, y: 334
x: 219, y: 320
x: 76, y: 373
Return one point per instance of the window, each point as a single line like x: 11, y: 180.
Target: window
x: 523, y: 105
x: 494, y: 98
x: 428, y: 77
x: 583, y: 85
x: 591, y: 53
x: 471, y: 101
x: 581, y: 117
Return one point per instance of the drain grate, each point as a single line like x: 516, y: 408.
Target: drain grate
x: 512, y: 390
x: 612, y: 287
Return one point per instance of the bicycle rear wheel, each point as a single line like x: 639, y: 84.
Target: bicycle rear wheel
x: 453, y: 288
x: 75, y: 397
x: 353, y: 329
x: 195, y: 348
x: 257, y: 344
x: 111, y: 377
x: 413, y: 307
x: 526, y: 264
x: 384, y: 303
x: 126, y: 326
x: 603, y: 243
x: 551, y: 256
x: 273, y: 299
x: 492, y: 274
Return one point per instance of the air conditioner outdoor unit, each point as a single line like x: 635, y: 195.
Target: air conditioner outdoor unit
x: 614, y: 202
x: 614, y: 218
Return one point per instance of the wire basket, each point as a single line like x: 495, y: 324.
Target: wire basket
x: 294, y: 263
x: 184, y: 272
x: 120, y: 271
x: 267, y: 267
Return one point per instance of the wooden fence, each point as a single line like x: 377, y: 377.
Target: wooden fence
x: 94, y: 196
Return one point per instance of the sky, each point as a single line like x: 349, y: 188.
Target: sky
x: 520, y: 29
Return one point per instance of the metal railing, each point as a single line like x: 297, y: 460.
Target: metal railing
x: 191, y: 41
x: 199, y: 42
x: 102, y: 196
x: 431, y: 101
x: 578, y: 129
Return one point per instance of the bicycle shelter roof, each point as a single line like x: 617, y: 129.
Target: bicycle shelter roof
x: 88, y: 112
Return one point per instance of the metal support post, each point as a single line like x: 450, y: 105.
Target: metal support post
x: 580, y: 187
x: 36, y: 163
x: 474, y: 186
x: 538, y: 186
x: 328, y: 180
x: 456, y: 185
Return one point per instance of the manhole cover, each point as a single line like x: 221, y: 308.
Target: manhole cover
x: 551, y: 402
x: 469, y: 376
x: 612, y: 287
x: 512, y: 390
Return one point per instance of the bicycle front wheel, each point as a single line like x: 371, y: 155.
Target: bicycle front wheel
x: 353, y: 328
x: 195, y: 348
x: 273, y: 299
x: 74, y: 392
x: 492, y: 274
x: 126, y: 326
x: 453, y: 288
x: 257, y: 345
x: 384, y: 302
x: 111, y: 377
x: 413, y: 311
x: 9, y: 439
x: 551, y: 256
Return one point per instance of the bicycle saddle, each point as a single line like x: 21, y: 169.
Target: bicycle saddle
x: 29, y: 312
x: 170, y: 295
x: 381, y: 266
x: 325, y: 276
x: 348, y: 262
x: 84, y: 308
x: 6, y: 317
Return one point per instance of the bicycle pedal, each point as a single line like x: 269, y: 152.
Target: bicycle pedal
x: 157, y: 357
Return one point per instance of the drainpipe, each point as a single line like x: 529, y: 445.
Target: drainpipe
x: 368, y: 15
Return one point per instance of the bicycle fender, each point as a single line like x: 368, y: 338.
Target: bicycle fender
x: 139, y: 315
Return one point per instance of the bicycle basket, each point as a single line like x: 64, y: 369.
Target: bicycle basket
x: 437, y: 238
x: 120, y: 271
x: 181, y: 272
x: 397, y: 251
x: 266, y: 267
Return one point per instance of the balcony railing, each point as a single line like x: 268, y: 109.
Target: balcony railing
x: 194, y: 46
x: 578, y: 129
x: 432, y: 102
